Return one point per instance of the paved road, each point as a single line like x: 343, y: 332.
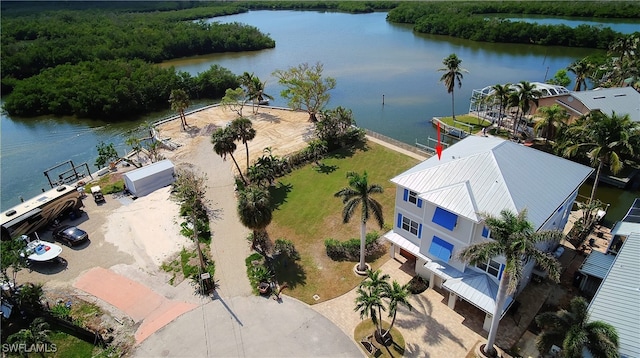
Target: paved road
x: 250, y: 326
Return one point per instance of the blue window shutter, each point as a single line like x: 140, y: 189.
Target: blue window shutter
x: 419, y: 203
x: 485, y: 232
x: 501, y: 270
x: 400, y: 220
x: 420, y: 231
x: 444, y: 218
x: 406, y: 195
x: 441, y: 249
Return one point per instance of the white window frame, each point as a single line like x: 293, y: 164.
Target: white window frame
x: 489, y: 267
x: 408, y: 225
x: 413, y: 198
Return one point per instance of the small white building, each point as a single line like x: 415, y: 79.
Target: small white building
x: 439, y: 202
x: 145, y: 180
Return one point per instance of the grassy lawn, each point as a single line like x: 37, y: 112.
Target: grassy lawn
x: 70, y: 346
x: 366, y: 328
x: 307, y: 214
x: 477, y: 123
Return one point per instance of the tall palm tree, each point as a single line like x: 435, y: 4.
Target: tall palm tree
x: 527, y: 94
x: 242, y: 129
x: 501, y: 93
x: 179, y: 100
x: 576, y: 333
x: 224, y: 144
x: 554, y: 118
x: 513, y: 237
x: 37, y: 334
x: 254, y: 210
x: 359, y: 193
x: 607, y: 140
x: 582, y: 69
x: 398, y: 295
x: 452, y: 74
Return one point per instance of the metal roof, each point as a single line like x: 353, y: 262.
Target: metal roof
x: 630, y: 222
x: 617, y: 301
x: 478, y: 289
x: 405, y: 244
x: 622, y: 100
x: 597, y: 264
x: 489, y: 174
x: 148, y: 170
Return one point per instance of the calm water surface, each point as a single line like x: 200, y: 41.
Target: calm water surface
x: 368, y: 57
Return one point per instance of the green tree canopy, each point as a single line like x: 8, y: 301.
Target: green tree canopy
x: 305, y: 87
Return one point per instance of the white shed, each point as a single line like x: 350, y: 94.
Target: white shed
x: 145, y: 180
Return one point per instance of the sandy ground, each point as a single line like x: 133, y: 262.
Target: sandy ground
x: 130, y: 239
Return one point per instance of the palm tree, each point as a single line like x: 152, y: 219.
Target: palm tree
x: 501, y: 93
x: 606, y: 141
x: 554, y: 117
x: 179, y: 100
x: 582, y: 69
x: 224, y: 143
x: 36, y: 335
x: 398, y: 295
x: 242, y: 129
x: 513, y: 237
x: 254, y: 89
x: 452, y: 74
x: 576, y: 333
x: 359, y: 192
x: 377, y: 285
x: 369, y: 300
x: 527, y: 93
x: 254, y: 210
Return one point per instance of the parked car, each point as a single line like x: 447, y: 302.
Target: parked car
x: 70, y: 235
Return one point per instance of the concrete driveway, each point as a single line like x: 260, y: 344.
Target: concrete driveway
x: 250, y: 326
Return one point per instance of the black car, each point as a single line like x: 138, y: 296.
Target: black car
x: 70, y: 235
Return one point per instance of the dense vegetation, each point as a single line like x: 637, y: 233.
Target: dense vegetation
x: 466, y: 20
x: 114, y: 89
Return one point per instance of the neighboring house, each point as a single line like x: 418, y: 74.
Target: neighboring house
x: 597, y: 265
x: 617, y: 301
x: 622, y: 100
x: 439, y: 202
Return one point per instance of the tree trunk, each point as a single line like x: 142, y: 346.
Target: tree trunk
x: 239, y: 170
x: 497, y: 313
x: 246, y: 147
x: 363, y: 242
x: 453, y: 108
x: 595, y: 181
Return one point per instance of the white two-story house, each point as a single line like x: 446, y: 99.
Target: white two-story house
x: 439, y: 203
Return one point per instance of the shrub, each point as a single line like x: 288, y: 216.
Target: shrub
x: 62, y: 311
x: 418, y: 285
x: 286, y: 249
x: 350, y: 250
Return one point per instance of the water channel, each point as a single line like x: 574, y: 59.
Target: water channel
x: 368, y: 56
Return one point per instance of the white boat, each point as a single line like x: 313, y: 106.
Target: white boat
x: 40, y: 251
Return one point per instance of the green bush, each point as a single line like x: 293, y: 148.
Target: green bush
x: 350, y: 250
x: 61, y: 310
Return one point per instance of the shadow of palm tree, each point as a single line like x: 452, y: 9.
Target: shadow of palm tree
x: 291, y: 272
x: 279, y: 194
x: 421, y: 316
x: 267, y: 117
x: 324, y: 168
